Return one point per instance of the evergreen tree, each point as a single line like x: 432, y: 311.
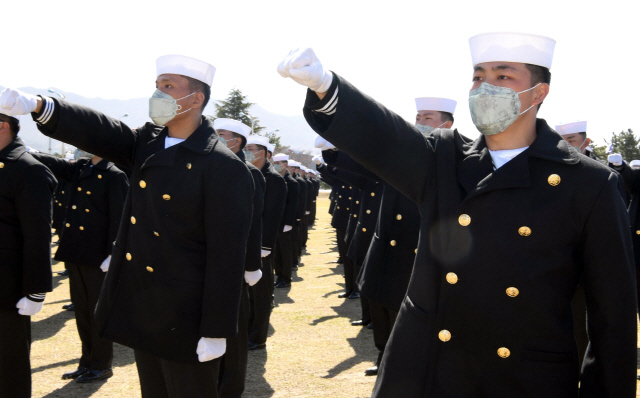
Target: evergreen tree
x: 235, y: 104
x: 625, y: 143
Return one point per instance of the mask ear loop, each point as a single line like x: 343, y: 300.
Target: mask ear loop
x: 180, y: 106
x: 529, y: 89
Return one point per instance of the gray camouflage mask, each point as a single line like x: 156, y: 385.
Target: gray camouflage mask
x: 495, y: 108
x: 427, y: 130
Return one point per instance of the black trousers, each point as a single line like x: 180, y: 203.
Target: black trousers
x: 342, y: 245
x: 295, y: 243
x: 15, y: 349
x: 579, y: 308
x: 85, y: 283
x: 383, y: 319
x: 366, y: 311
x: 283, y: 256
x: 162, y: 378
x: 305, y: 230
x: 233, y: 366
x: 260, y: 296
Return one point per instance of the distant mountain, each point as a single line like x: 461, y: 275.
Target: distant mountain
x: 294, y: 130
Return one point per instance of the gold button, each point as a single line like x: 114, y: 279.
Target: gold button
x: 512, y: 292
x: 343, y: 186
x: 67, y: 225
x: 368, y: 211
x: 364, y: 230
x: 99, y: 176
x: 81, y: 228
x: 373, y: 194
x: 338, y: 207
x: 347, y: 208
x: 349, y: 198
x: 504, y: 352
x: 392, y: 243
x: 143, y: 184
x: 524, y: 231
x: 133, y: 220
x: 350, y: 187
x: 416, y: 251
x: 357, y: 202
x: 149, y: 269
x: 63, y: 192
x: 340, y: 196
x: 59, y: 204
x: 444, y: 335
x: 638, y: 232
x: 452, y: 278
x: 355, y: 216
x: 2, y: 166
x: 79, y: 189
x: 155, y: 233
x: 128, y: 256
x: 74, y: 207
x: 189, y: 166
x: 166, y: 197
x: 464, y: 220
x: 553, y: 180
x: 87, y: 210
x: 88, y: 192
x: 399, y: 217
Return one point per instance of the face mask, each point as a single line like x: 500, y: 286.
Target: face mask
x: 226, y: 142
x: 278, y: 167
x: 163, y: 107
x: 579, y: 147
x: 82, y: 154
x: 222, y: 141
x: 426, y: 130
x: 249, y: 156
x: 495, y: 108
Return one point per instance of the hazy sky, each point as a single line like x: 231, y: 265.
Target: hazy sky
x: 392, y: 50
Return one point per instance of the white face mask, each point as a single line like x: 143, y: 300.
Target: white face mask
x: 79, y: 153
x: 426, y: 130
x: 495, y: 108
x: 163, y: 107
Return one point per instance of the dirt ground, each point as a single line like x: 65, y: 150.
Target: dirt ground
x: 312, y: 351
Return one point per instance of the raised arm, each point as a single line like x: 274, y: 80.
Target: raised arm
x: 62, y: 169
x: 342, y: 161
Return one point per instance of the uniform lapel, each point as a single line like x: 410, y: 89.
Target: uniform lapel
x: 155, y: 154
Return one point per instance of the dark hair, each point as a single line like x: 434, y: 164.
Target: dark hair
x: 446, y: 117
x: 583, y: 135
x: 263, y: 148
x: 539, y: 74
x: 244, y: 140
x: 14, y: 125
x: 198, y: 86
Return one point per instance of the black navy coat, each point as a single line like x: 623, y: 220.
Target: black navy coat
x: 291, y: 203
x: 500, y: 254
x: 177, y: 266
x: 94, y: 206
x: 253, y: 259
x: 26, y: 193
x: 275, y: 196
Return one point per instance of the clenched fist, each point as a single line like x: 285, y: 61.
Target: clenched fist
x: 305, y: 68
x: 15, y: 102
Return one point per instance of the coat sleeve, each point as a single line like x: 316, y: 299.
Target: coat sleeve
x: 375, y: 137
x: 253, y: 261
x: 91, y: 131
x: 352, y: 179
x: 228, y: 216
x: 274, y: 203
x: 609, y: 368
x: 342, y: 161
x: 327, y: 175
x: 291, y: 207
x: 63, y: 170
x: 630, y: 177
x: 117, y: 194
x: 33, y: 201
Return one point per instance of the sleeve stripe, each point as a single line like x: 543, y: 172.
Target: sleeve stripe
x: 331, y: 104
x: 48, y: 111
x: 37, y: 297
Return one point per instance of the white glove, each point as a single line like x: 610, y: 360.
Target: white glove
x: 615, y: 159
x: 265, y: 253
x: 15, y: 102
x: 209, y: 349
x: 287, y: 228
x: 105, y: 264
x: 28, y: 307
x: 317, y: 160
x: 305, y: 68
x: 252, y: 277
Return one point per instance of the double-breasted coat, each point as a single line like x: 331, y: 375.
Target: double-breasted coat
x: 275, y: 196
x: 177, y: 266
x: 488, y: 309
x: 291, y: 203
x: 26, y: 194
x: 94, y: 208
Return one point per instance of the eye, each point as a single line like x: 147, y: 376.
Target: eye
x: 167, y: 86
x: 477, y: 78
x: 503, y: 77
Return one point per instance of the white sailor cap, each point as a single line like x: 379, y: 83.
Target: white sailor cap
x: 280, y: 157
x: 232, y: 125
x: 435, y: 104
x: 271, y: 148
x: 258, y: 140
x: 17, y: 117
x: 512, y: 47
x: 185, y: 66
x: 572, y: 128
x: 635, y: 164
x: 293, y: 163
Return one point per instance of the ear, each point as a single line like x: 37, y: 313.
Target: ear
x: 587, y: 141
x: 5, y: 128
x: 540, y: 93
x: 198, y: 100
x: 448, y: 125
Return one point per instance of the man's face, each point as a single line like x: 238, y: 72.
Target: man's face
x: 577, y: 140
x: 257, y: 152
x: 513, y: 75
x: 429, y: 118
x: 233, y: 143
x: 177, y: 86
x: 5, y: 128
x: 282, y: 163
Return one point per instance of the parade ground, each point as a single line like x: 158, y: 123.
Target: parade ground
x: 312, y: 351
